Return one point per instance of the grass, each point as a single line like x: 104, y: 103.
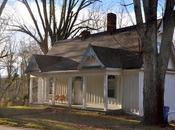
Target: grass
x: 62, y: 119
x: 4, y: 121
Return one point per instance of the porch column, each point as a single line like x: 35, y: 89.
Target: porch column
x: 42, y: 90
x: 45, y: 89
x: 30, y: 90
x: 53, y: 91
x: 84, y: 91
x: 69, y: 92
x: 105, y: 99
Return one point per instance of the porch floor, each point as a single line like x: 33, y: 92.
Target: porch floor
x: 98, y: 107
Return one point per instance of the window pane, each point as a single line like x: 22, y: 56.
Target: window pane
x: 111, y: 86
x: 111, y: 93
x: 50, y: 86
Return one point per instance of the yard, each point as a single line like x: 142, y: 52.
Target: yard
x: 56, y: 118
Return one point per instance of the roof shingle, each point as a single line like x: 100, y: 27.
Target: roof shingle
x: 118, y: 58
x: 47, y: 63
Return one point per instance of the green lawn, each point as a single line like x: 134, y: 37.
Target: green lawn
x: 62, y: 119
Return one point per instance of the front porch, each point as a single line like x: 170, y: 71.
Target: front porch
x: 87, y: 89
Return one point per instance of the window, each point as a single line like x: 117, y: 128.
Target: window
x: 50, y: 86
x: 111, y: 86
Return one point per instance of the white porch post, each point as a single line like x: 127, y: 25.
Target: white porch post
x: 30, y: 90
x: 84, y: 91
x: 70, y: 92
x: 105, y: 92
x: 53, y: 91
x: 42, y: 90
x: 39, y: 90
x: 45, y: 89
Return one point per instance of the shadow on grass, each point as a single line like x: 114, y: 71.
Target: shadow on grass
x: 62, y: 118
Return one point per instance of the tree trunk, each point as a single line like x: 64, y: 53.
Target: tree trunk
x: 155, y: 63
x: 150, y: 89
x: 2, y: 6
x: 149, y: 41
x: 163, y: 58
x: 44, y: 47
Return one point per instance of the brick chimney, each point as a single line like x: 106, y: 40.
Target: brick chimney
x: 111, y: 22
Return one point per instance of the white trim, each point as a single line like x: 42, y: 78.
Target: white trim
x: 69, y: 92
x: 170, y: 71
x: 32, y: 76
x: 45, y: 89
x: 53, y: 91
x: 84, y: 91
x: 105, y: 92
x: 84, y: 58
x: 32, y: 61
x: 31, y: 90
x: 141, y: 73
x: 73, y: 72
x: 116, y: 69
x: 85, y: 71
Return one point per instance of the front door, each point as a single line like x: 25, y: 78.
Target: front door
x: 77, y: 91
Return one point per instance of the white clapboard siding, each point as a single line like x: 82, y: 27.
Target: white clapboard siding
x: 40, y: 90
x: 35, y: 90
x: 61, y: 85
x: 131, y: 91
x: 94, y: 90
x: 171, y: 64
x: 169, y: 95
x: 141, y: 76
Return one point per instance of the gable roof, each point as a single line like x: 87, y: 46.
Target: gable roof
x: 45, y: 63
x: 118, y: 58
x: 119, y: 50
x: 124, y: 38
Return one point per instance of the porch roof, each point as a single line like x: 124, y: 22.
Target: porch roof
x: 110, y: 58
x: 45, y: 63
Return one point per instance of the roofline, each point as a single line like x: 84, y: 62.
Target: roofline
x: 119, y: 30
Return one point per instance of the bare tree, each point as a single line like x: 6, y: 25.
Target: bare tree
x: 25, y: 52
x: 4, y: 36
x: 155, y: 62
x: 3, y: 26
x: 2, y: 6
x: 96, y: 17
x: 26, y: 49
x: 52, y: 28
x: 8, y: 64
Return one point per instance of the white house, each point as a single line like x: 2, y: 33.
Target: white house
x: 102, y: 71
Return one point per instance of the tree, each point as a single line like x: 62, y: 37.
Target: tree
x: 25, y: 52
x: 155, y: 62
x: 3, y: 26
x: 52, y: 28
x: 8, y: 64
x: 2, y: 6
